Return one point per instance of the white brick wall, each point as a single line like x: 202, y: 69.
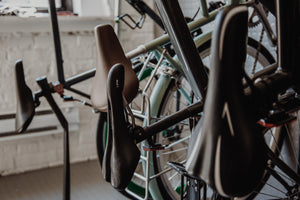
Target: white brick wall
x: 19, y: 154
x: 36, y: 50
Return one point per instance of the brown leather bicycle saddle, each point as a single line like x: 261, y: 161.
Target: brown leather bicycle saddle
x: 229, y: 152
x: 110, y: 53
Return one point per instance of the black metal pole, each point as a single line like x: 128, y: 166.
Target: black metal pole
x: 56, y: 39
x: 184, y: 46
x: 46, y: 92
x: 80, y: 77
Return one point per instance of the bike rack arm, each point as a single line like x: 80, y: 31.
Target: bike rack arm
x: 165, y: 123
x: 46, y: 92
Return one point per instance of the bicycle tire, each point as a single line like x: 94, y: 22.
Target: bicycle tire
x: 283, y: 147
x: 279, y: 136
x: 265, y: 58
x: 101, y: 129
x: 101, y: 142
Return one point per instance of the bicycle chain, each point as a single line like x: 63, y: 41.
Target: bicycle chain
x: 259, y: 46
x: 258, y: 50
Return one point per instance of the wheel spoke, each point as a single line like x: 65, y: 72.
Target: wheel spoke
x: 285, y: 176
x: 177, y: 185
x: 277, y: 189
x: 177, y: 142
x: 174, y: 151
x: 270, y: 195
x: 169, y: 180
x: 275, y: 140
x: 292, y: 145
x: 173, y: 175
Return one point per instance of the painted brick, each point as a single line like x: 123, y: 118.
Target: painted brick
x: 43, y: 41
x: 83, y: 152
x: 28, y: 147
x: 49, y: 143
x: 37, y: 52
x: 6, y: 163
x: 8, y: 148
x: 35, y: 160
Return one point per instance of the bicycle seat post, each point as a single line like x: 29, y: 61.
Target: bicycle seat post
x: 57, y: 43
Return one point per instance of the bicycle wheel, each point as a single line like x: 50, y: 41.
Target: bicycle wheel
x: 176, y: 138
x: 136, y: 186
x: 277, y: 183
x: 169, y: 105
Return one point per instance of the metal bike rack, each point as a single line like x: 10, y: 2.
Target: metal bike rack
x: 145, y: 113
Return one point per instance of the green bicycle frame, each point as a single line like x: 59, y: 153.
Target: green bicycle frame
x: 163, y: 82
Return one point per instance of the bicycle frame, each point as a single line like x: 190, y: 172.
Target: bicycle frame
x: 64, y: 83
x: 274, y: 84
x: 163, y: 81
x: 160, y: 86
x: 287, y: 18
x: 67, y: 84
x: 142, y: 8
x: 150, y: 46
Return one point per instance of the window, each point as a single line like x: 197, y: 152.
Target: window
x: 39, y: 8
x: 31, y: 3
x: 38, y: 4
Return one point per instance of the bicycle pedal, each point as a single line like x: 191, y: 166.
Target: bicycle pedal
x: 155, y: 147
x: 178, y: 167
x: 276, y: 120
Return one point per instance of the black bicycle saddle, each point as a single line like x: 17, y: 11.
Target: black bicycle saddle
x: 25, y: 103
x: 121, y: 155
x: 229, y: 152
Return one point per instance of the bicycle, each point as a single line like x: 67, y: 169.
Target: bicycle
x: 156, y: 98
x: 272, y: 101
x: 102, y: 145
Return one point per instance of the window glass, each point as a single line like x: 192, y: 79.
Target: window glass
x: 30, y: 3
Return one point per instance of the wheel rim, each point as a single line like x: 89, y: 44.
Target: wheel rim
x: 171, y: 179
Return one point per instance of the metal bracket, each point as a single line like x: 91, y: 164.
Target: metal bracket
x: 130, y: 21
x: 167, y: 70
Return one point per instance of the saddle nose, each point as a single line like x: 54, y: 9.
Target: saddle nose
x: 25, y: 102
